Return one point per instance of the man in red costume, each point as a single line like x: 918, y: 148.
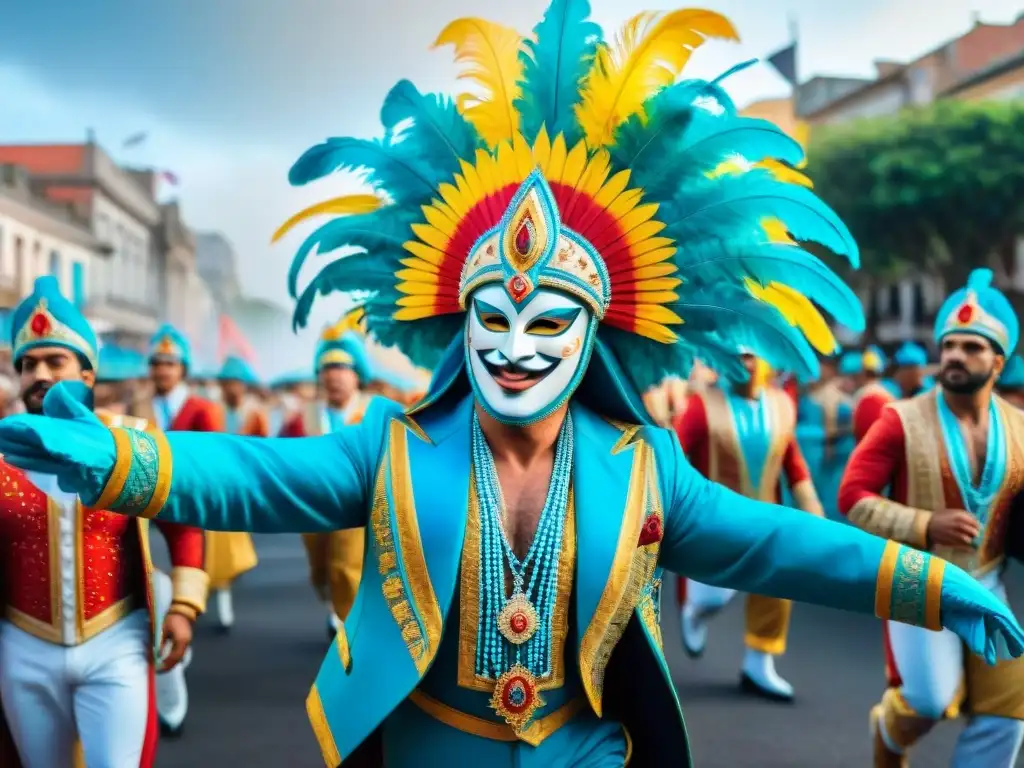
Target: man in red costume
x: 174, y: 408
x: 872, y: 395
x: 952, y: 460
x: 77, y: 640
x: 743, y: 435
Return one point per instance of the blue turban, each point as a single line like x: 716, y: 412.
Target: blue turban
x: 1013, y: 374
x: 980, y: 309
x: 45, y: 318
x: 911, y: 355
x: 168, y: 345
x: 236, y: 369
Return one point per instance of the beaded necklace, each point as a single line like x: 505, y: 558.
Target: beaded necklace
x: 514, y: 634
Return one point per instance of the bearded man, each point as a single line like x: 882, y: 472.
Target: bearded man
x: 952, y: 460
x: 80, y: 634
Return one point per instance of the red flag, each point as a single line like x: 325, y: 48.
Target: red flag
x: 231, y: 341
x: 169, y: 177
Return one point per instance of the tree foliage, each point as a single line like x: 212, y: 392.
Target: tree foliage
x: 940, y: 187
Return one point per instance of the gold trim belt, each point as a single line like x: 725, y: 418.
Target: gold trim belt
x: 533, y: 734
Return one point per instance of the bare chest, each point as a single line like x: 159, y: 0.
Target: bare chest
x: 976, y: 438
x: 524, y: 494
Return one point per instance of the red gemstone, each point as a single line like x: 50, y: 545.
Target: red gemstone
x: 39, y: 324
x: 650, y: 533
x: 518, y: 287
x: 519, y: 623
x: 518, y: 694
x: 965, y: 314
x: 524, y: 236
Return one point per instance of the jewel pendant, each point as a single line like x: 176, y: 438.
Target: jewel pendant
x: 515, y: 697
x: 518, y: 619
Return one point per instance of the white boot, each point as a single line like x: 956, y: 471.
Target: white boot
x: 225, y: 608
x: 760, y: 678
x: 702, y: 602
x: 172, y: 698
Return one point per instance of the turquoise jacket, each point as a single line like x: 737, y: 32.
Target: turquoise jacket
x: 406, y: 477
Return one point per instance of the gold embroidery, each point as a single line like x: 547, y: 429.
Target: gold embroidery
x: 322, y: 729
x: 891, y: 520
x: 190, y: 586
x: 533, y: 734
x: 411, y: 599
x: 632, y: 569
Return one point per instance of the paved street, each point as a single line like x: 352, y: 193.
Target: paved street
x: 248, y: 688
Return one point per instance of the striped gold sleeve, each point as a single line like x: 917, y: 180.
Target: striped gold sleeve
x: 892, y: 520
x: 189, y: 586
x: 909, y: 587
x: 141, y: 479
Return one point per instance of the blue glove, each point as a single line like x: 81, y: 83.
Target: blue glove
x: 979, y: 618
x: 67, y: 441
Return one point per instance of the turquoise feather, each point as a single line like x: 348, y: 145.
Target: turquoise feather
x: 430, y: 126
x: 553, y: 65
x: 734, y: 205
x: 385, y: 229
x: 714, y: 260
x: 393, y: 168
x: 360, y: 272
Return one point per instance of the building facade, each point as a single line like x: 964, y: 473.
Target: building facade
x: 38, y: 237
x: 122, y: 290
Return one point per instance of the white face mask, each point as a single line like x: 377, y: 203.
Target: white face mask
x: 526, y: 361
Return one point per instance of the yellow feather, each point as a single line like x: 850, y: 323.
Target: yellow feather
x: 341, y: 206
x: 661, y: 269
x: 523, y: 156
x: 430, y: 236
x: 649, y: 54
x: 654, y: 257
x: 556, y: 162
x: 417, y: 276
x: 658, y: 284
x: 490, y: 55
x: 542, y: 148
x: 508, y: 171
x: 575, y: 164
x: 439, y: 221
x: 596, y: 174
x: 639, y: 215
x: 646, y: 230
x: 776, y: 230
x: 651, y: 244
x: 352, y: 321
x: 420, y: 265
x: 798, y: 311
x: 416, y: 288
x: 413, y: 313
x: 783, y: 172
x: 655, y: 297
x: 416, y: 301
x: 625, y: 203
x: 657, y: 313
x: 453, y: 199
x: 654, y: 331
x: 424, y: 251
x: 612, y: 189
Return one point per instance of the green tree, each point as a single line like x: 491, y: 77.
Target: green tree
x: 937, y: 188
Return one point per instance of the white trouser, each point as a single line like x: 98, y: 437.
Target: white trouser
x: 704, y: 597
x: 97, y: 691
x: 171, y: 689
x: 931, y: 668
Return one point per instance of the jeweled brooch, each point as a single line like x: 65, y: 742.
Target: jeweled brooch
x: 516, y: 698
x: 518, y: 620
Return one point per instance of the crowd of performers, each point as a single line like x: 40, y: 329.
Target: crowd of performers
x: 490, y: 553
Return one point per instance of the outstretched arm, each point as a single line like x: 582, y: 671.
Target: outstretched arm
x: 873, y: 466
x: 215, y: 481
x: 721, y: 538
x: 229, y: 483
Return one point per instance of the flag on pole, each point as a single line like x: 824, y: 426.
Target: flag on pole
x: 169, y: 177
x: 135, y: 140
x: 231, y: 341
x: 784, y: 62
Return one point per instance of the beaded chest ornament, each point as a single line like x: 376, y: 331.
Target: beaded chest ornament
x: 515, y: 631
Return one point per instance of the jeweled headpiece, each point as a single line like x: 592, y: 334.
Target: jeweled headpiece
x: 581, y: 165
x: 45, y: 318
x: 980, y: 309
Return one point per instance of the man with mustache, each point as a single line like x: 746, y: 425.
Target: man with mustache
x: 520, y: 518
x: 342, y: 368
x: 81, y: 625
x: 170, y: 405
x: 952, y: 460
x: 742, y: 434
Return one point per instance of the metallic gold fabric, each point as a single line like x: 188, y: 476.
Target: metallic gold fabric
x: 767, y: 624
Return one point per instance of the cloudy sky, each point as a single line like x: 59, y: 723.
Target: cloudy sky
x: 232, y: 91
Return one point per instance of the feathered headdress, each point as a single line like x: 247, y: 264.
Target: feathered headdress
x: 581, y: 164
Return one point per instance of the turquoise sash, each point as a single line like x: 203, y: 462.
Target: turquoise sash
x: 753, y: 432
x: 977, y: 498
x: 233, y: 420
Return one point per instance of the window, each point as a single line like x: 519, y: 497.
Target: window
x: 55, y: 264
x: 78, y: 284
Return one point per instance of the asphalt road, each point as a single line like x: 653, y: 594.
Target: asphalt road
x: 247, y: 689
